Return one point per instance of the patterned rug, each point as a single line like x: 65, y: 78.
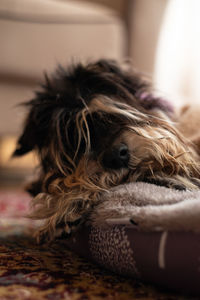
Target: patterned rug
x: 29, y: 271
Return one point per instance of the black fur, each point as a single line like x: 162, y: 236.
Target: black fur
x: 69, y: 90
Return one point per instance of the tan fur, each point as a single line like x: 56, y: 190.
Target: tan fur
x: 189, y: 124
x: 156, y: 148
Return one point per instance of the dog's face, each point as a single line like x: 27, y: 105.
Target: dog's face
x: 97, y: 126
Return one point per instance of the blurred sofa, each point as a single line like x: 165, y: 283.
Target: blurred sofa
x: 36, y: 35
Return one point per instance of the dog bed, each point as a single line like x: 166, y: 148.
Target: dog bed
x: 146, y: 231
x: 31, y: 271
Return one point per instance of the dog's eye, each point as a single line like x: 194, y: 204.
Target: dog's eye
x: 116, y: 158
x: 103, y: 129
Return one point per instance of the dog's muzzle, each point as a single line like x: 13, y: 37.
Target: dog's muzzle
x: 116, y: 157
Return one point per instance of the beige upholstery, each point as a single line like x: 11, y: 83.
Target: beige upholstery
x: 144, y: 22
x: 35, y: 35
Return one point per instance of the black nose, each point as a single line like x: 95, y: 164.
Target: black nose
x: 116, y: 158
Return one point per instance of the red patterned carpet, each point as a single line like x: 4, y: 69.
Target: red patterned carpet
x: 29, y: 271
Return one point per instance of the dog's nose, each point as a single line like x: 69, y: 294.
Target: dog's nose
x: 116, y: 158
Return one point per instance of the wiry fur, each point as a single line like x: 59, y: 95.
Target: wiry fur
x: 78, y: 121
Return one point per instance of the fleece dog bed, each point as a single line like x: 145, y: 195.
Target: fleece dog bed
x: 31, y: 271
x: 138, y: 230
x: 146, y: 231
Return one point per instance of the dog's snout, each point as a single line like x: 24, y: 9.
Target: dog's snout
x: 117, y: 157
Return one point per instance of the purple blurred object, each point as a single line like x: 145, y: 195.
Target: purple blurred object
x: 151, y: 102
x: 168, y: 259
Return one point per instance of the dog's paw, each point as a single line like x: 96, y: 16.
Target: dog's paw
x: 65, y: 230
x: 47, y: 234
x: 167, y: 182
x: 177, y: 182
x: 61, y: 217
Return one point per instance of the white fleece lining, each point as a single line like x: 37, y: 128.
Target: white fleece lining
x: 148, y: 208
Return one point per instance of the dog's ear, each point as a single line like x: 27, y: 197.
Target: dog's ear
x: 109, y: 65
x: 28, y: 139
x: 123, y: 80
x: 37, y: 121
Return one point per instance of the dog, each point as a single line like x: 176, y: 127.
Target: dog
x: 95, y: 126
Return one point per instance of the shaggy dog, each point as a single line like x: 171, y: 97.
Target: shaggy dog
x: 93, y: 127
